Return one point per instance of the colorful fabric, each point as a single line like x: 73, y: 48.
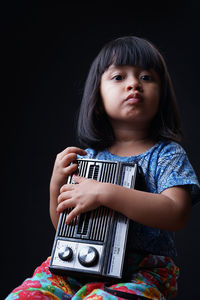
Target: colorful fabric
x: 164, y: 165
x: 154, y: 277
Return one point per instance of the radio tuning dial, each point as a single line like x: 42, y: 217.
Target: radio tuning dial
x: 65, y: 253
x: 88, y: 256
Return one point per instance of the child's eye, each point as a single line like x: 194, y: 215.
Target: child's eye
x: 146, y: 77
x: 118, y: 77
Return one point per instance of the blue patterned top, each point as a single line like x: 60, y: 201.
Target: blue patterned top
x: 164, y: 165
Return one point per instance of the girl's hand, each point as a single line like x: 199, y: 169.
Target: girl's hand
x: 82, y: 196
x: 63, y: 167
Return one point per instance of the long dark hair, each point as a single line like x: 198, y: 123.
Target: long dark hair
x: 93, y: 127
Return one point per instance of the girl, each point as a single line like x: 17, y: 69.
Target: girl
x: 128, y: 113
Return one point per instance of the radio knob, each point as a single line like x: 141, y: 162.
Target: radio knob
x: 88, y: 256
x: 65, y: 253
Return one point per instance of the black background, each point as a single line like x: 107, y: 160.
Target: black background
x: 46, y: 54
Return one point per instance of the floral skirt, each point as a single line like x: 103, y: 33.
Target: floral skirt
x: 152, y: 276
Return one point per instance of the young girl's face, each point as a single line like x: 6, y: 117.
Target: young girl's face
x: 130, y: 95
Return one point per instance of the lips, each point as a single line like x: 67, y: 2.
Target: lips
x: 134, y: 98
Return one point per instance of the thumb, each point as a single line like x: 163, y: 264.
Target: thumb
x: 78, y: 179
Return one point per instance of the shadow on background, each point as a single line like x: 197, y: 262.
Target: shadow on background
x: 47, y: 52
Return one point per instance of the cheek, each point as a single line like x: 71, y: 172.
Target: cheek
x: 108, y: 98
x: 155, y: 97
x: 155, y: 105
x: 103, y: 94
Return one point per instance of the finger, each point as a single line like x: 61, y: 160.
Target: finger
x: 78, y: 179
x: 66, y: 161
x: 72, y: 149
x: 67, y: 187
x: 64, y: 196
x: 73, y: 214
x: 70, y: 169
x: 64, y: 205
x: 68, y: 158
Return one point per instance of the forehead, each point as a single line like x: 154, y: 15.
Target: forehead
x: 112, y: 68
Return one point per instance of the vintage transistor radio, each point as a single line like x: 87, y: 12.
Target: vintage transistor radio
x: 94, y: 244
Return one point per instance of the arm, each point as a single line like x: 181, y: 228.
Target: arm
x: 168, y: 210
x: 62, y: 169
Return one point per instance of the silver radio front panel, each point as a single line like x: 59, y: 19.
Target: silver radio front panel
x: 95, y: 242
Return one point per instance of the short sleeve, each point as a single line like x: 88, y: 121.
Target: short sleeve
x: 175, y: 169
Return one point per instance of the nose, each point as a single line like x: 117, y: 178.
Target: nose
x: 134, y: 84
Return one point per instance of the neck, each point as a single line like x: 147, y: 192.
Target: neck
x: 129, y: 142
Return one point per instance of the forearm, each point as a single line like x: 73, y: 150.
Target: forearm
x: 54, y: 193
x: 154, y: 210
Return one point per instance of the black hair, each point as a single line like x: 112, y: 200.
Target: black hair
x: 93, y: 127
